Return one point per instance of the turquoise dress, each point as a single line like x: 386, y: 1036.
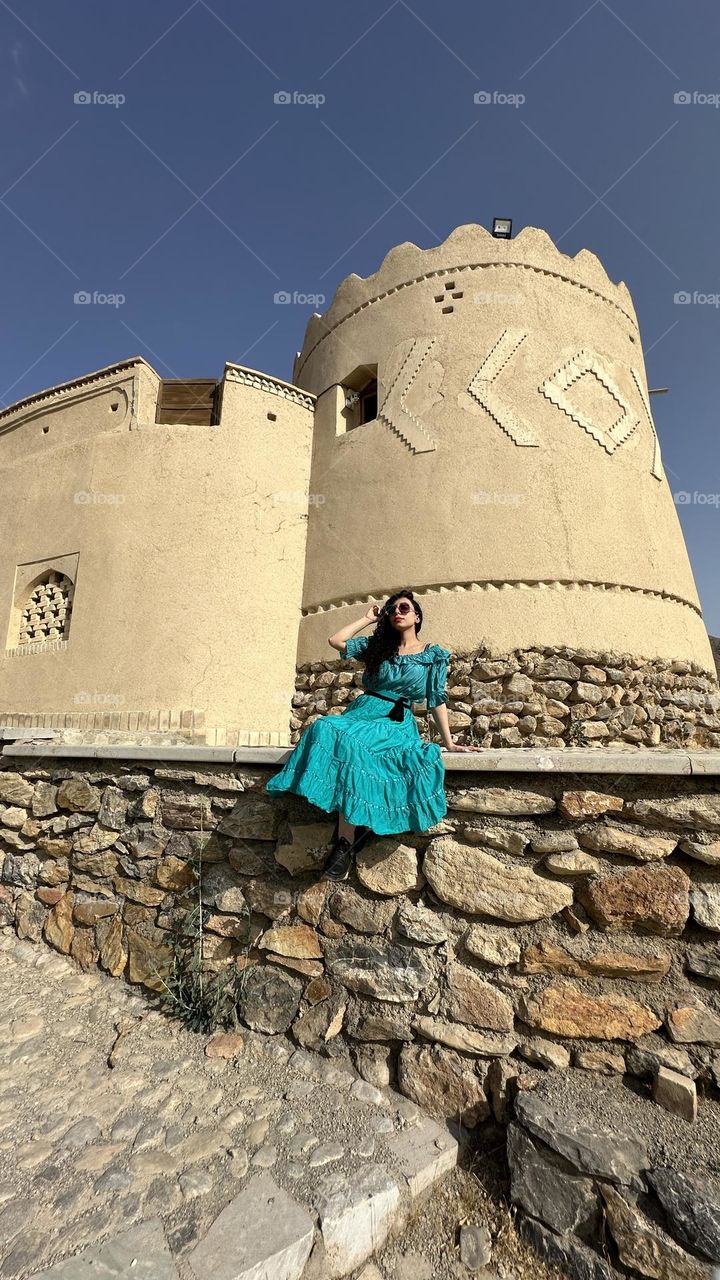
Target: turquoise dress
x: 376, y: 771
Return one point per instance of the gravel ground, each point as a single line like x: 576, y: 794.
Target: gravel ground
x: 627, y: 1107
x: 475, y: 1194
x: 87, y: 1149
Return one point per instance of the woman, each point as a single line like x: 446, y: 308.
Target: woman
x: 370, y: 762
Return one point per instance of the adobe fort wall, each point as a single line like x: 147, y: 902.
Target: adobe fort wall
x: 152, y: 572
x: 513, y: 475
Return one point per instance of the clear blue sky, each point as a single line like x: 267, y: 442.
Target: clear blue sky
x: 199, y: 197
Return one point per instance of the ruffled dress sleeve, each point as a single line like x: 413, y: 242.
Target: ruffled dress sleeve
x: 356, y: 646
x: 437, y: 677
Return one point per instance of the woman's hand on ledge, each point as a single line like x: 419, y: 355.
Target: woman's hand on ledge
x: 456, y: 746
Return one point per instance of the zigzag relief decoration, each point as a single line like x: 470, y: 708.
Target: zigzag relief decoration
x: 657, y: 466
x: 556, y: 388
x: 481, y: 388
x: 488, y: 585
x: 394, y: 411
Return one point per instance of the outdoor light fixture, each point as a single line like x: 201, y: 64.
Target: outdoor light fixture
x: 502, y: 228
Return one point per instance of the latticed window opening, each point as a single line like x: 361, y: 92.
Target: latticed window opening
x: 46, y: 615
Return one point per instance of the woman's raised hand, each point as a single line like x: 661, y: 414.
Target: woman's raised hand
x: 372, y: 613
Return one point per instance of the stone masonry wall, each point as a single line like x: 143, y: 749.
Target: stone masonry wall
x: 547, y: 698
x: 546, y: 920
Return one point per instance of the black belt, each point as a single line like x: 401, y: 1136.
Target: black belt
x: 398, y: 704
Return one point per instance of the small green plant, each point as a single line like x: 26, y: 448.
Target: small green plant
x: 203, y: 1000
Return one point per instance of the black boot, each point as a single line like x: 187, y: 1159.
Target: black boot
x: 340, y: 861
x: 362, y: 835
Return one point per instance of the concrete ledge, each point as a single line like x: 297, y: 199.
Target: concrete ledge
x: 491, y: 760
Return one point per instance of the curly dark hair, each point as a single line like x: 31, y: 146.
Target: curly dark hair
x: 384, y: 641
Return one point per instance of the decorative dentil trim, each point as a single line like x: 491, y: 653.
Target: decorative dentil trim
x: 503, y: 584
x: 274, y: 386
x: 60, y: 391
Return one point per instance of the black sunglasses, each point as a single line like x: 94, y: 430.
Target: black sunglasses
x: 400, y: 608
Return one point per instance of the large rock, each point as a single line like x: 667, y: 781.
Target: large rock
x: 318, y: 1025
x: 501, y: 801
x: 356, y: 1213
x: 419, y: 924
x: 564, y: 1010
x: 644, y: 848
x: 113, y: 808
x: 644, y: 1247
x: 149, y: 962
x: 576, y: 863
x: 186, y: 813
x: 694, y: 1024
x: 253, y: 818
x: 263, y: 1232
x: 595, y: 1151
x: 704, y: 960
x: 382, y: 970
x: 365, y: 915
x: 93, y: 840
x: 78, y: 795
x: 297, y: 940
x: 44, y: 799
x: 547, y: 957
x: 705, y: 899
x: 693, y: 1212
x: 14, y: 789
x: 477, y: 883
x: 543, y: 1183
x: 388, y: 867
x: 141, y: 1251
x: 695, y: 812
x: 494, y: 946
x: 59, y: 929
x: 707, y: 852
x: 649, y: 899
x: 495, y: 837
x: 483, y: 1044
x: 588, y: 804
x: 647, y: 1056
x: 443, y: 1083
x: 270, y: 999
x: 472, y: 1000
x: 564, y: 1252
x: 113, y: 954
x: 145, y: 840
x: 308, y: 849
x: 676, y: 1093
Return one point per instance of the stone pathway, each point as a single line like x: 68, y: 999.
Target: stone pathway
x: 126, y: 1151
